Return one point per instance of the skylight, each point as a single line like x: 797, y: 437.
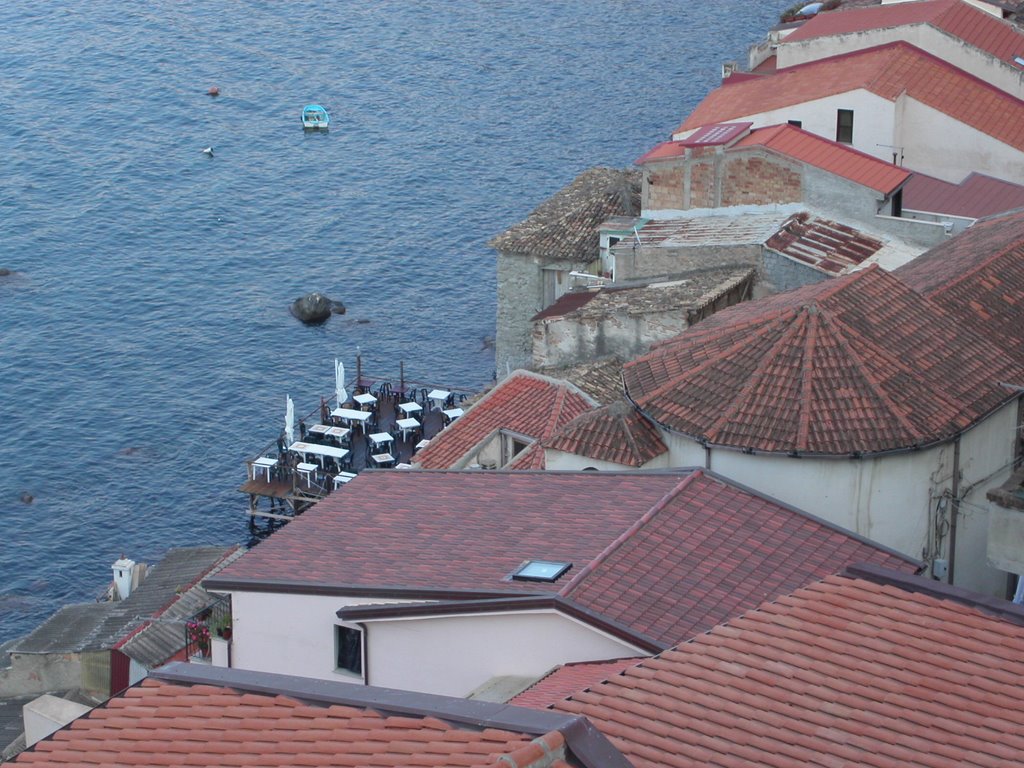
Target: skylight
x: 541, y: 570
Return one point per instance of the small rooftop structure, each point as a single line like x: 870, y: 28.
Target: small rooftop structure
x: 866, y: 669
x: 223, y: 716
x: 615, y: 433
x: 824, y: 245
x: 565, y: 226
x: 858, y: 365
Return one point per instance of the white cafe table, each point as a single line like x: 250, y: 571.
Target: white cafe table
x: 318, y: 450
x: 365, y: 399
x: 422, y: 444
x: 343, y: 477
x: 453, y: 413
x: 380, y: 459
x: 438, y: 396
x: 352, y: 416
x: 306, y: 470
x: 410, y: 408
x: 339, y: 433
x: 407, y: 426
x: 320, y: 429
x: 380, y: 438
x: 263, y: 463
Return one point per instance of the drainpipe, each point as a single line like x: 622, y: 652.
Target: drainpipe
x: 707, y: 456
x: 954, y: 509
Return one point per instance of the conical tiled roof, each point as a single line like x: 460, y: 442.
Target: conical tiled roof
x: 859, y: 364
x: 615, y: 433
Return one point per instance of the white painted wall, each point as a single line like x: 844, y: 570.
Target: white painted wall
x: 453, y: 655
x: 891, y: 499
x: 289, y: 634
x: 934, y: 41
x: 556, y: 460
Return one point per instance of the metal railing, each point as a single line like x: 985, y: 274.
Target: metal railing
x: 213, y: 621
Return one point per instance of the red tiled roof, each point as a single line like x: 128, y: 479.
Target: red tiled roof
x: 568, y: 679
x: 707, y: 136
x: 845, y: 672
x: 976, y: 196
x: 615, y: 433
x: 979, y: 276
x: 831, y: 156
x: 453, y: 530
x: 888, y: 71
x: 972, y: 25
x: 826, y: 245
x: 531, y: 458
x: 859, y: 364
x: 525, y: 403
x: 160, y: 723
x: 712, y: 551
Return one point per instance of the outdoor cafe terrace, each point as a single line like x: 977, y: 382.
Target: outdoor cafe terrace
x: 376, y: 424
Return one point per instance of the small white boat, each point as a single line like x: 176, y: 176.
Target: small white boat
x: 315, y: 117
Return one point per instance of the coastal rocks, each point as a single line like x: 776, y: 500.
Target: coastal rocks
x: 5, y: 272
x: 316, y: 308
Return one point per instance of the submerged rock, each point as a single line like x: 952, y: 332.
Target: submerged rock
x: 316, y: 308
x: 5, y: 272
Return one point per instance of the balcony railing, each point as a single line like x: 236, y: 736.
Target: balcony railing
x: 213, y: 621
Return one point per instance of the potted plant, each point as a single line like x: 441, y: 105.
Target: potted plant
x: 199, y: 636
x: 223, y: 628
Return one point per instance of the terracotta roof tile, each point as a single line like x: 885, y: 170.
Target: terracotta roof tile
x: 975, y: 197
x: 155, y: 724
x: 601, y: 378
x: 825, y: 245
x: 975, y: 27
x: 828, y: 155
x: 565, y: 227
x: 567, y: 679
x: 889, y: 71
x: 615, y: 433
x: 526, y: 403
x: 842, y: 672
x: 979, y: 276
x: 860, y: 364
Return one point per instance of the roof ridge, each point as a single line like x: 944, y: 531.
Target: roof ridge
x: 973, y: 271
x: 810, y: 340
x: 622, y: 418
x: 627, y: 534
x: 555, y: 415
x: 788, y: 331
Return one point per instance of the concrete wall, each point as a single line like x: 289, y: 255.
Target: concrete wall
x: 894, y: 499
x: 456, y: 654
x: 779, y: 273
x: 652, y: 261
x: 520, y: 293
x: 941, y: 44
x: 562, y: 341
x: 32, y: 673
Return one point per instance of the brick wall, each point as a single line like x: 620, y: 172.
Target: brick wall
x: 663, y: 188
x: 759, y: 179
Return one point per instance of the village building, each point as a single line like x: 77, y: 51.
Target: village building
x: 867, y: 668
x: 893, y: 101
x: 537, y: 256
x: 502, y: 429
x: 858, y: 400
x: 446, y: 582
x: 965, y: 35
x: 612, y: 437
x: 193, y: 715
x: 977, y: 196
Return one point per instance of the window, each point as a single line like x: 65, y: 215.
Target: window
x: 541, y: 570
x: 797, y: 123
x: 844, y: 126
x: 348, y: 643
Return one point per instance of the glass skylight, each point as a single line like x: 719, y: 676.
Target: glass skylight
x: 541, y: 570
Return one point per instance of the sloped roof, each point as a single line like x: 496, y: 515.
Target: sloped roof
x: 888, y: 71
x: 565, y: 227
x: 615, y: 433
x: 96, y: 626
x: 526, y: 403
x: 975, y: 197
x: 847, y: 672
x: 975, y: 27
x: 860, y: 364
x: 825, y: 245
x: 601, y: 378
x: 567, y: 679
x: 185, y: 717
x: 701, y: 229
x: 831, y: 156
x: 656, y: 556
x: 979, y: 277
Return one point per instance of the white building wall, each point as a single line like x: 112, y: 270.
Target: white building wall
x: 560, y: 460
x: 934, y: 41
x: 892, y: 499
x: 289, y: 634
x: 454, y: 655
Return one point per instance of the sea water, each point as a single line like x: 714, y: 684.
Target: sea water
x: 146, y: 346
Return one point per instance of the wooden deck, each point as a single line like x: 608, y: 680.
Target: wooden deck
x: 288, y: 492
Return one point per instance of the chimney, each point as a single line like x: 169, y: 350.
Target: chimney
x: 123, y: 569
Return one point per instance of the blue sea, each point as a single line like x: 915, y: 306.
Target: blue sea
x: 146, y: 346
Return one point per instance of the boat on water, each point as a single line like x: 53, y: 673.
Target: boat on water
x: 315, y: 117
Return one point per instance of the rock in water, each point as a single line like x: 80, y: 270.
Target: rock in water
x: 316, y: 308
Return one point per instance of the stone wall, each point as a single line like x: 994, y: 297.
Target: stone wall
x: 520, y: 290
x: 652, y: 261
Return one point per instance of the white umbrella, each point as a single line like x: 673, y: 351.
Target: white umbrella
x: 289, y: 421
x: 339, y: 382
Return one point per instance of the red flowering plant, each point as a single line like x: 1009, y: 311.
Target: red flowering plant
x: 199, y: 636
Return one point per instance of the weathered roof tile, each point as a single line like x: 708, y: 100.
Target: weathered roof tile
x: 615, y: 433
